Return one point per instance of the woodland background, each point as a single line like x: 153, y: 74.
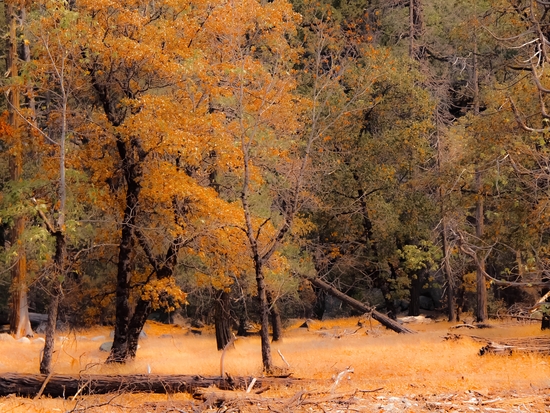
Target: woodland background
x: 209, y: 158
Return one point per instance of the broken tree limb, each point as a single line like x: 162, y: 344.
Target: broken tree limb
x: 66, y: 385
x: 358, y: 305
x: 506, y: 346
x: 222, y: 396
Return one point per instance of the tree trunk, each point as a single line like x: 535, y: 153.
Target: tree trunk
x: 416, y: 286
x: 143, y: 307
x: 243, y: 322
x: 119, y: 351
x: 320, y: 305
x: 46, y: 362
x: 481, y: 293
x: 19, y: 318
x: 222, y: 319
x: 481, y: 289
x: 141, y: 313
x: 276, y: 323
x: 416, y: 26
x: 59, y: 262
x: 67, y: 386
x: 451, y: 300
x: 264, y: 317
x: 381, y: 318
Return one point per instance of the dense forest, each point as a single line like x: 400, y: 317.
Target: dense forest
x: 210, y: 159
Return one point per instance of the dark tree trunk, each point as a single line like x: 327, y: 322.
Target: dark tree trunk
x: 243, y: 322
x: 264, y: 317
x: 481, y: 291
x: 320, y: 305
x: 59, y: 261
x: 381, y: 318
x: 222, y: 319
x: 387, y: 291
x: 141, y: 312
x: 46, y: 362
x: 143, y: 307
x: 451, y: 295
x: 119, y: 351
x: 416, y: 287
x: 276, y: 323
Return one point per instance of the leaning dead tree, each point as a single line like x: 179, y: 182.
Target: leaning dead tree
x: 381, y: 318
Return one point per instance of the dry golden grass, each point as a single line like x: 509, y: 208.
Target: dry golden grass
x: 422, y: 363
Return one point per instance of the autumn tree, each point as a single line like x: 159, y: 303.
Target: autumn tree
x: 19, y: 318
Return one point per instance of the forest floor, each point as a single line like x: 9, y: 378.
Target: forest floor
x: 431, y: 371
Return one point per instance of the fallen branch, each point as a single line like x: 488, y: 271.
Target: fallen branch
x: 539, y: 345
x: 283, y: 357
x: 339, y: 378
x: 216, y: 396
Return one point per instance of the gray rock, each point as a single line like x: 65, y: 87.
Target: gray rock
x: 41, y: 329
x: 24, y: 340
x: 38, y: 340
x: 197, y: 324
x: 106, y: 346
x: 179, y: 320
x: 6, y: 337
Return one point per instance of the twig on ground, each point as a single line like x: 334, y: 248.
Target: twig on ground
x: 251, y: 385
x: 339, y: 377
x: 283, y: 357
x: 370, y: 391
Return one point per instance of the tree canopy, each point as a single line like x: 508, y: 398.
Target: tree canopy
x: 210, y: 158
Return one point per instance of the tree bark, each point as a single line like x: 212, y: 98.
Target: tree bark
x: 381, y: 318
x: 416, y: 286
x: 143, y: 307
x: 67, y: 386
x: 222, y: 319
x: 59, y: 262
x: 46, y: 361
x: 267, y: 360
x: 276, y: 323
x: 132, y: 172
x: 481, y: 293
x: 451, y: 295
x: 19, y: 318
x: 320, y: 305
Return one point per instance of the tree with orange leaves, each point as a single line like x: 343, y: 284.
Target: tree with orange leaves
x: 168, y: 131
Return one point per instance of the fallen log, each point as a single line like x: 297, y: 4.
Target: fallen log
x: 507, y: 346
x: 358, y: 305
x: 67, y: 385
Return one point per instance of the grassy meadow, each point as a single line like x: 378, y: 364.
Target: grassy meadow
x: 391, y: 364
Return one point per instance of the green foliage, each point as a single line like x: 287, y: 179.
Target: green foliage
x: 418, y: 257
